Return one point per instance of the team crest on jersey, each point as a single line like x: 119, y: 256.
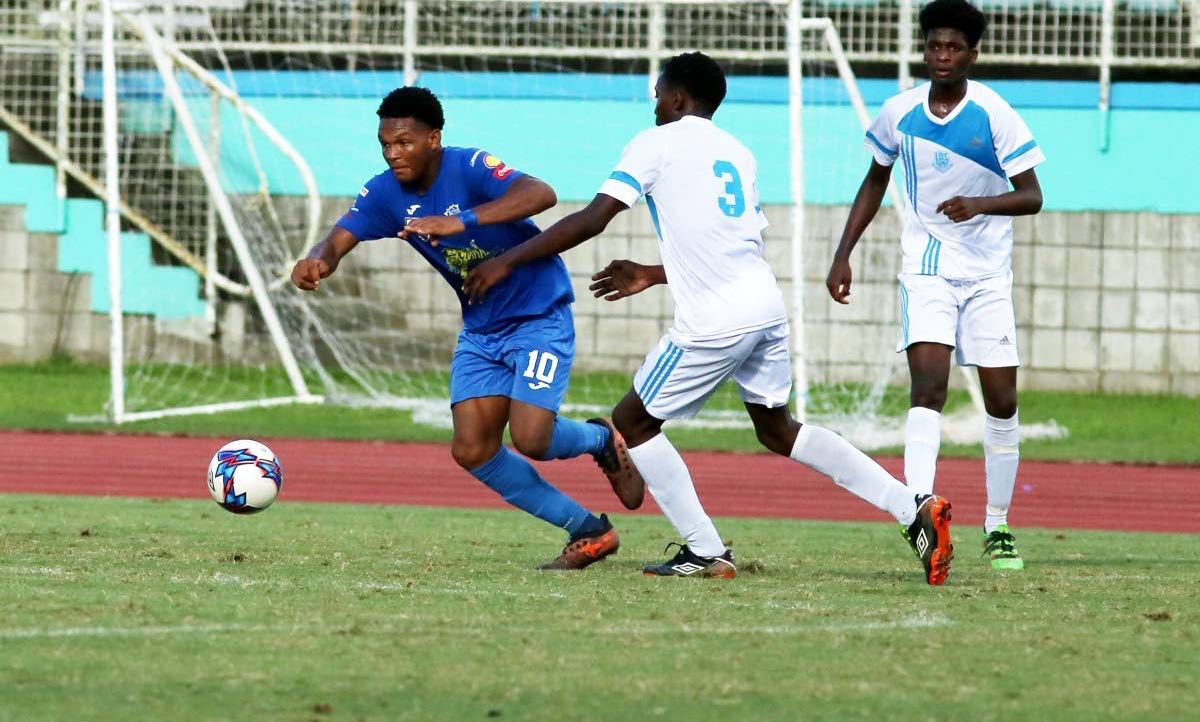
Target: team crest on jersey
x: 363, y: 191
x: 452, y: 210
x: 941, y: 160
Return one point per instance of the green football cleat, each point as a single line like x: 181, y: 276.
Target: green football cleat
x: 999, y: 545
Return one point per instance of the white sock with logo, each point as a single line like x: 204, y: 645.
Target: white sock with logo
x: 841, y: 461
x: 922, y: 438
x: 1001, y: 454
x: 670, y: 484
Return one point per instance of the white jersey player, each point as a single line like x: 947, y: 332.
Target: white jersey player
x: 959, y: 145
x: 698, y: 182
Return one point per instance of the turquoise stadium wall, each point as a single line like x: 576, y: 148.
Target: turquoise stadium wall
x: 569, y: 130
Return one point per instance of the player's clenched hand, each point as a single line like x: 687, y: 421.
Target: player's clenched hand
x: 431, y: 228
x: 960, y: 208
x: 308, y: 272
x: 620, y: 279
x: 838, y: 280
x: 483, y: 277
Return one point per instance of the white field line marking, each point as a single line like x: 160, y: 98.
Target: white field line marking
x: 399, y: 587
x: 40, y: 571
x: 921, y: 621
x: 42, y: 632
x: 915, y: 622
x: 403, y: 587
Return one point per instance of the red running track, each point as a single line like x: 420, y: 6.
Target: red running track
x: 1049, y: 494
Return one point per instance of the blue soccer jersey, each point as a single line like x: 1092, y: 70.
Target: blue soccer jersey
x: 467, y: 178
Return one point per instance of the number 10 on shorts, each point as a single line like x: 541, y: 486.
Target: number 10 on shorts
x: 541, y: 368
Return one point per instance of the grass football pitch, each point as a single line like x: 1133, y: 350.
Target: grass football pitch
x: 143, y: 609
x: 137, y: 609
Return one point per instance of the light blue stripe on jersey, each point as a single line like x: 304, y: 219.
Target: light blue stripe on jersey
x: 887, y: 151
x: 929, y: 261
x: 969, y: 134
x: 654, y: 216
x: 666, y: 364
x: 1020, y: 151
x: 620, y: 175
x: 910, y: 169
x: 904, y: 314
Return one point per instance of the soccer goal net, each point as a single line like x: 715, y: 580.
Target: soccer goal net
x: 245, y: 129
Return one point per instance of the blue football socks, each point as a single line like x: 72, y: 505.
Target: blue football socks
x: 574, y: 438
x: 518, y: 483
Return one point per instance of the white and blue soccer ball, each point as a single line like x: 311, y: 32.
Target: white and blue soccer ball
x: 244, y: 476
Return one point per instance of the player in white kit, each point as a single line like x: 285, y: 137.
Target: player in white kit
x: 730, y: 320
x: 960, y: 145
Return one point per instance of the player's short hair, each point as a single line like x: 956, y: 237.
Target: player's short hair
x: 954, y: 14
x: 699, y: 76
x: 412, y: 102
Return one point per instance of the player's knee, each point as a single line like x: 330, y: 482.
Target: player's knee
x: 533, y: 444
x: 472, y: 454
x: 635, y: 425
x: 1002, y: 408
x: 778, y: 438
x: 929, y: 396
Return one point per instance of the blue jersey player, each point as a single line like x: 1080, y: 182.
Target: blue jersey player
x: 458, y: 207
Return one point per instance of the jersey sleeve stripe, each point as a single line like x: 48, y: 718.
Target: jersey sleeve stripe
x: 1020, y: 151
x: 888, y: 151
x: 620, y: 175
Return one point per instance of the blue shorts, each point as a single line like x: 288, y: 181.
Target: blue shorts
x: 528, y: 360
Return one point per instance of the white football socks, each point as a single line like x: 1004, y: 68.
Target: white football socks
x: 840, y: 460
x: 922, y: 438
x: 1001, y: 454
x: 670, y: 484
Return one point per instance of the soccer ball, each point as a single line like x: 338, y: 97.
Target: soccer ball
x: 244, y: 476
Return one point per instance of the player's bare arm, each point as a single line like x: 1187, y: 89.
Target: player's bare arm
x: 621, y: 279
x: 564, y: 235
x: 527, y: 196
x: 323, y: 259
x: 862, y: 212
x: 1023, y: 200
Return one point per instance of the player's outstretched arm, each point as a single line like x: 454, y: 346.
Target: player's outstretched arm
x: 323, y: 259
x: 620, y: 279
x: 527, y: 196
x: 862, y: 212
x: 1024, y: 199
x: 564, y: 235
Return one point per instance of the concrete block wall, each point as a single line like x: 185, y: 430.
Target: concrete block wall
x: 1104, y: 301
x: 42, y: 310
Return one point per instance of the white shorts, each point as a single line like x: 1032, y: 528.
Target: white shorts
x: 678, y: 376
x: 976, y: 318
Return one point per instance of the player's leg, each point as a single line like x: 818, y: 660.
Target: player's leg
x: 674, y: 382
x: 764, y: 381
x: 989, y: 342
x: 480, y: 385
x: 929, y: 323
x: 929, y: 371
x: 541, y: 352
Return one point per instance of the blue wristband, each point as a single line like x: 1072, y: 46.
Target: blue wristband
x: 468, y: 219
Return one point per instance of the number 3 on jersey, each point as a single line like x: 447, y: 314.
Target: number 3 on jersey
x: 733, y: 202
x: 541, y: 370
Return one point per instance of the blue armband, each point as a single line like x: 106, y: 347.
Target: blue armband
x: 468, y: 219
